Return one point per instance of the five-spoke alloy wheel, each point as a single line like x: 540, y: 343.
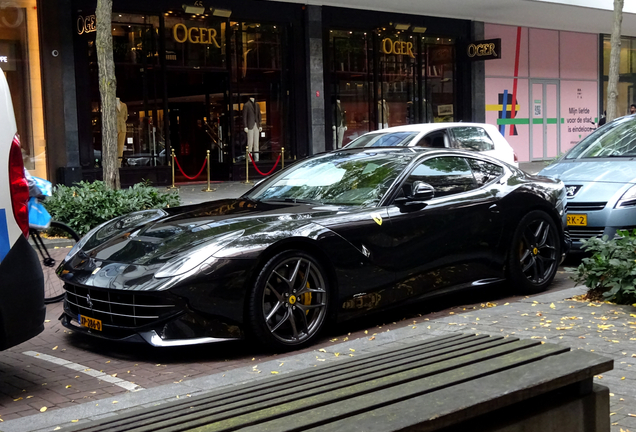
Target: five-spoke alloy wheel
x: 536, y: 252
x: 290, y: 300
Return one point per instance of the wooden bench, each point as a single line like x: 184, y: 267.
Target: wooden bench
x: 459, y: 382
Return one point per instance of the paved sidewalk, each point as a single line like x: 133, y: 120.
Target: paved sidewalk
x: 603, y: 328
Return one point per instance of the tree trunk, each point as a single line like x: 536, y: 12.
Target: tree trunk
x: 107, y: 91
x: 612, y: 84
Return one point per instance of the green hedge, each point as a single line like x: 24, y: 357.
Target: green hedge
x: 86, y: 205
x: 610, y: 273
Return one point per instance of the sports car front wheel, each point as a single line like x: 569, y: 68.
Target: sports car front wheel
x: 535, y: 253
x: 290, y: 300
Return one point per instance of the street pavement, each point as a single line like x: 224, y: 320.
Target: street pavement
x: 70, y: 393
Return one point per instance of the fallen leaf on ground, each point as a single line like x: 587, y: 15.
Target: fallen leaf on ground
x: 43, y: 409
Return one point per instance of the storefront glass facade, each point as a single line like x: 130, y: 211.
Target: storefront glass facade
x: 387, y: 77
x: 20, y: 62
x: 183, y: 81
x: 627, y: 74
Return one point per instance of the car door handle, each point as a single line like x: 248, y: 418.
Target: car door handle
x: 494, y: 209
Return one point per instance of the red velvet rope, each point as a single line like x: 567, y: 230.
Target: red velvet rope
x: 259, y: 171
x: 187, y: 176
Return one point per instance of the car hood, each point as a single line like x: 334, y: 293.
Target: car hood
x: 155, y: 237
x: 607, y: 170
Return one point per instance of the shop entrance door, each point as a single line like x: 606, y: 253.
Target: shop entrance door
x: 544, y: 119
x: 197, y: 105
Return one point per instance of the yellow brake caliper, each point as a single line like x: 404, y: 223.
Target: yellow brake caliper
x: 306, y: 298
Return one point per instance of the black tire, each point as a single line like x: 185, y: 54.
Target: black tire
x: 535, y: 253
x: 52, y: 246
x: 289, y: 303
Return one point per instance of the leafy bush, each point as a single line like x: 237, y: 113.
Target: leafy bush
x: 610, y: 273
x: 86, y: 205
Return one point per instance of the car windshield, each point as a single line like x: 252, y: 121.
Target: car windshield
x: 387, y: 139
x: 341, y: 178
x: 615, y: 139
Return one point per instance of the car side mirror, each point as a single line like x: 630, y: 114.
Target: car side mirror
x: 421, y: 191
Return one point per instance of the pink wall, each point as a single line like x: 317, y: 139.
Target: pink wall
x: 579, y: 55
x: 505, y: 66
x: 544, y: 53
x: 569, y: 61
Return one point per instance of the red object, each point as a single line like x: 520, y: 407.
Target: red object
x: 317, y: 94
x: 187, y: 176
x: 19, y: 187
x: 516, y: 158
x: 513, y: 106
x: 261, y: 172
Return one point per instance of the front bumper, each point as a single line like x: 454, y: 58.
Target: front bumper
x: 149, y: 336
x: 601, y: 222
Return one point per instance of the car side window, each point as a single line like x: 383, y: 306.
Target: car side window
x: 447, y: 174
x: 485, y: 172
x: 472, y: 138
x: 435, y: 139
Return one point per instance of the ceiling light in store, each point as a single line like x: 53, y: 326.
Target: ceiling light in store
x: 225, y: 13
x: 419, y: 29
x: 401, y: 26
x: 191, y: 9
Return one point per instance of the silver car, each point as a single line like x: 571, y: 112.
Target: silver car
x: 599, y: 174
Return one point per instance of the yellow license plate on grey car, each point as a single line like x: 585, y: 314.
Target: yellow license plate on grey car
x: 577, y: 220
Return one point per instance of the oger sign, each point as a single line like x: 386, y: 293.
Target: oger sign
x: 195, y: 35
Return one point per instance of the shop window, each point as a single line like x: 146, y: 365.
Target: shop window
x: 350, y: 67
x: 260, y: 84
x: 627, y: 74
x: 195, y: 41
x: 388, y: 77
x: 140, y: 136
x: 397, y: 90
x: 438, y: 79
x: 19, y: 60
x: 196, y: 82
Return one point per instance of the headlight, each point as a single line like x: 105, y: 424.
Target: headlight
x: 628, y: 199
x: 196, y: 257
x: 80, y: 244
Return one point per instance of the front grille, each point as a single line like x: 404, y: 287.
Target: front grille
x: 578, y: 234
x: 118, y: 308
x: 585, y: 206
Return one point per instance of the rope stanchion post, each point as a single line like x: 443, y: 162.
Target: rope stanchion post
x: 172, y: 164
x: 208, y: 162
x: 282, y: 158
x: 247, y: 165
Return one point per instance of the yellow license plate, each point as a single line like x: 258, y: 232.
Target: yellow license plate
x: 91, y: 323
x: 577, y: 220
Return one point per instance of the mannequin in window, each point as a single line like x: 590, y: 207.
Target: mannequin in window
x: 383, y: 114
x: 339, y: 124
x: 122, y: 116
x: 252, y: 123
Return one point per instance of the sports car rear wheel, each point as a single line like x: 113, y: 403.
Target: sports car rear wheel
x: 534, y: 257
x: 289, y: 302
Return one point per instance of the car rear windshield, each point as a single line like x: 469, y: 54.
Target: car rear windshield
x: 388, y: 139
x: 615, y: 139
x: 341, y: 178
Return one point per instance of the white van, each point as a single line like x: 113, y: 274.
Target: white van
x: 22, y: 307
